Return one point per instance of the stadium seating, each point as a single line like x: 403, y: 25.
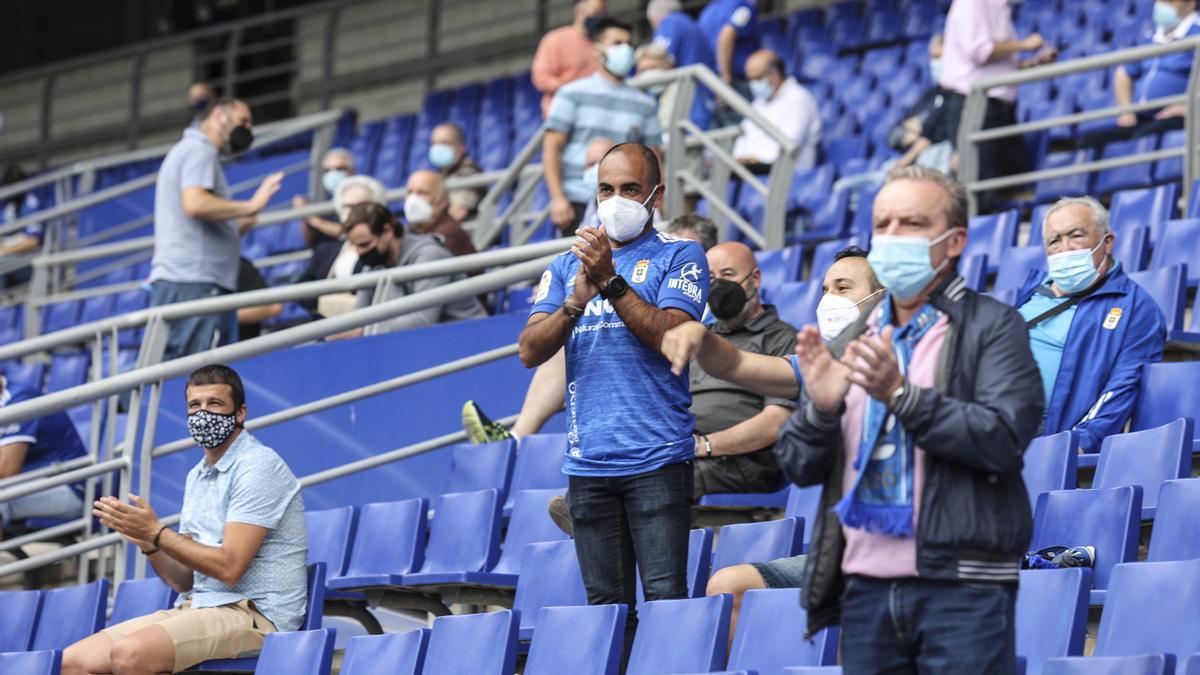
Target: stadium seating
x: 1146, y: 458
x: 758, y: 542
x: 583, y: 640
x: 46, y: 662
x: 1175, y: 245
x: 973, y: 270
x: 1050, y: 464
x: 992, y: 235
x: 389, y: 542
x: 1176, y: 534
x: 18, y: 619
x: 1144, y: 664
x: 1166, y: 393
x: 529, y: 524
x: 330, y: 532
x: 1168, y: 287
x: 796, y: 302
x: 550, y: 578
x: 487, y: 466
x: 139, y: 597
x: 538, y: 466
x: 473, y: 643
x: 305, y: 652
x: 1051, y: 615
x: 1105, y: 519
x: 70, y: 614
x: 464, y: 541
x: 1132, y: 248
x: 803, y: 503
x: 391, y: 654
x: 681, y: 636
x: 1133, y: 208
x: 780, y: 266
x: 770, y: 630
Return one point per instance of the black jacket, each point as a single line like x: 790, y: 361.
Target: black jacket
x: 974, y: 523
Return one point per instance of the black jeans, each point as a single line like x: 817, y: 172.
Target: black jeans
x: 624, y: 521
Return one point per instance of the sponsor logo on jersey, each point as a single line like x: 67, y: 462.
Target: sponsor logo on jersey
x: 691, y: 272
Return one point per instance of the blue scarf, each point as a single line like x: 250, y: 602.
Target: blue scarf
x: 881, y: 501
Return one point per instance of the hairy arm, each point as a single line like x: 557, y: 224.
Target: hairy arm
x: 752, y: 434
x: 726, y: 41
x: 552, y: 148
x: 647, y: 322
x: 176, y: 575
x: 543, y: 336
x: 227, y: 562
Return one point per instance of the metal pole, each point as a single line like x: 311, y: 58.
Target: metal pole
x: 1191, y: 122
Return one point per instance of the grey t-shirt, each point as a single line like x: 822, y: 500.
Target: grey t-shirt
x: 420, y: 248
x: 187, y: 249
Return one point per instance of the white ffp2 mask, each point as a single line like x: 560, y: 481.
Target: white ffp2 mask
x: 622, y: 218
x: 835, y: 313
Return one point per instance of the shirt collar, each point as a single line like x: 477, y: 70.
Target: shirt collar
x: 195, y: 134
x: 756, y: 325
x: 227, y: 460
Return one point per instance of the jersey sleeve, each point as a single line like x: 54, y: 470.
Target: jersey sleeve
x: 685, y: 285
x: 742, y: 19
x: 20, y: 432
x: 199, y: 169
x: 551, y: 290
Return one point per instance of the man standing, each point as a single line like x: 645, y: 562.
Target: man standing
x: 785, y: 103
x: 677, y: 33
x: 566, y: 54
x: 427, y: 210
x: 600, y: 106
x: 731, y: 27
x: 448, y: 154
x: 629, y: 429
x: 238, y: 558
x: 198, y: 228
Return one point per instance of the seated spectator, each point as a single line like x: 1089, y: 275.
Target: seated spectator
x: 695, y: 227
x: 448, y: 153
x: 427, y: 210
x: 238, y: 558
x: 28, y: 240
x: 336, y: 258
x: 381, y: 243
x: 35, y: 444
x: 591, y: 175
x: 336, y: 166
x: 1092, y: 329
x: 251, y: 319
x: 783, y: 102
x: 566, y: 53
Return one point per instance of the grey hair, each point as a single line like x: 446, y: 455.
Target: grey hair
x: 334, y: 152
x: 705, y: 228
x: 662, y: 8
x: 653, y: 50
x: 378, y: 192
x: 1095, y: 209
x: 958, y: 212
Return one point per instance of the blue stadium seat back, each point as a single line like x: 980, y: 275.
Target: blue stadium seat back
x: 1170, y: 170
x: 1051, y: 464
x: 538, y: 465
x: 1132, y: 248
x: 1037, y: 218
x: 465, y: 535
x: 46, y: 662
x: 59, y: 315
x: 758, y: 542
x: 314, y: 608
x: 389, y: 541
x: 550, y: 578
x: 1142, y: 664
x: 66, y: 371
x: 32, y: 376
x: 1125, y: 177
x: 825, y: 252
x: 130, y: 301
x: 1148, y: 206
x: 140, y: 597
x: 584, y: 640
x: 829, y: 221
x: 1176, y: 533
x: 1166, y: 393
x: 699, y: 564
x: 1193, y: 205
x: 803, y: 502
x: 681, y: 636
x: 95, y: 308
x: 1053, y: 188
x: 18, y: 618
x: 519, y: 300
x: 482, y: 467
x: 1017, y: 263
x: 862, y: 224
x: 974, y: 271
x: 796, y: 303
x: 1176, y: 244
x: 70, y: 614
x: 529, y: 523
x: 766, y: 500
x: 1193, y: 665
x: 780, y: 266
x: 302, y: 652
x: 917, y: 20
x: 10, y: 317
x: 473, y: 643
x: 1051, y: 614
x: 811, y: 188
x: 992, y: 235
x: 1146, y: 458
x: 769, y: 635
x: 388, y: 654
x: 1153, y: 607
x: 839, y: 150
x: 330, y: 532
x: 1106, y: 519
x: 1168, y: 287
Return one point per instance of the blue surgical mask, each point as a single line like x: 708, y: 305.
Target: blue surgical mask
x: 1073, y: 271
x: 1165, y: 16
x: 761, y: 88
x: 618, y: 60
x: 902, y: 263
x: 935, y: 70
x: 441, y: 155
x: 591, y: 177
x: 331, y: 179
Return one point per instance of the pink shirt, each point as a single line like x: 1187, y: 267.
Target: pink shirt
x: 973, y: 27
x: 878, y: 555
x: 564, y: 55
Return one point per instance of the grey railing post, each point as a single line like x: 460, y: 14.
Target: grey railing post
x: 145, y: 458
x: 968, y: 152
x: 1191, y: 122
x: 676, y: 150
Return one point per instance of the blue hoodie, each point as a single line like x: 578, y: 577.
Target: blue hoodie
x: 1116, y: 330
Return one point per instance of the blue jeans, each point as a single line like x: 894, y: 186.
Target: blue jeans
x: 899, y: 626
x: 198, y: 333
x: 641, y: 519
x: 57, y: 502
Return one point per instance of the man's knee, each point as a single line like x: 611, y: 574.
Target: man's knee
x: 735, y: 580
x: 139, y: 653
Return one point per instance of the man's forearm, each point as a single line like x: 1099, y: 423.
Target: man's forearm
x: 211, y: 561
x: 726, y: 41
x: 552, y: 169
x: 176, y: 575
x: 1005, y: 49
x: 204, y: 205
x: 647, y: 322
x: 750, y: 435
x: 541, y: 340
x: 326, y: 227
x: 1122, y: 87
x: 25, y: 245
x: 762, y: 374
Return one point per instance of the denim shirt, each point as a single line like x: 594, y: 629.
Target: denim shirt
x: 251, y: 484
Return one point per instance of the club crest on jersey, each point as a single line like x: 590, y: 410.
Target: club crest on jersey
x: 639, y: 271
x: 1113, y: 318
x: 691, y: 272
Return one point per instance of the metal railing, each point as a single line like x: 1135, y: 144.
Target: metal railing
x: 972, y: 134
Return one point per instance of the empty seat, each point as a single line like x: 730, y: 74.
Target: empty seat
x: 330, y: 532
x: 780, y: 266
x: 992, y: 235
x: 485, y: 644
x: 1106, y: 519
x: 1132, y: 248
x: 59, y: 315
x: 390, y: 654
x: 770, y: 630
x: 1134, y: 208
x: 1051, y: 615
x: 1176, y: 244
x: 1142, y: 664
x: 796, y: 303
x: 758, y: 542
x: 29, y: 376
x: 389, y: 542
x: 1050, y: 464
x: 48, y: 662
x: 973, y: 270
x: 1176, y: 534
x: 66, y: 371
x: 303, y: 652
x: 140, y: 597
x: 482, y: 467
x: 1146, y: 458
x: 1130, y: 176
x: 1166, y: 392
x: 584, y: 640
x: 70, y: 614
x: 681, y: 636
x: 1017, y: 266
x: 1037, y: 219
x: 803, y: 503
x: 1051, y: 189
x: 529, y: 523
x: 550, y: 578
x: 538, y: 465
x: 1168, y: 287
x: 464, y: 541
x: 18, y: 619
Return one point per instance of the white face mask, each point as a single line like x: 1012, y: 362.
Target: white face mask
x: 622, y: 218
x: 417, y: 209
x: 836, y: 312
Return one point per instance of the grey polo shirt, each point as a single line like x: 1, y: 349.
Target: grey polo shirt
x: 189, y: 250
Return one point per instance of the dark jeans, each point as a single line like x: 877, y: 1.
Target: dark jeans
x: 1146, y: 125
x: 723, y: 115
x: 195, y: 333
x: 899, y: 626
x: 641, y: 519
x: 1003, y: 157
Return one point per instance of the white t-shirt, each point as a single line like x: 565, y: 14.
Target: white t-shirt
x: 793, y: 110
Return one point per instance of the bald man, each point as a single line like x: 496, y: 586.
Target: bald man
x: 784, y: 103
x: 426, y: 208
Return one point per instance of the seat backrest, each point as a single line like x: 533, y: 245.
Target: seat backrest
x: 699, y: 563
x: 990, y: 235
x: 1166, y: 392
x: 973, y: 270
x: 388, y: 654
x: 803, y: 503
x: 758, y: 542
x: 780, y: 266
x: 796, y: 302
x: 584, y: 640
x: 482, y: 467
x: 1037, y: 218
x: 1132, y: 248
x: 1177, y: 240
x: 1176, y: 533
x: 473, y: 643
x: 18, y: 619
x: 314, y: 607
x: 1051, y: 614
x: 302, y: 652
x: 1051, y: 463
x: 70, y: 614
x: 1152, y: 607
x: 139, y: 597
x: 1148, y: 206
x: 330, y: 532
x: 1015, y: 265
x: 1107, y: 519
x: 681, y: 636
x: 1168, y: 287
x: 770, y: 627
x: 1146, y: 458
x: 465, y: 535
x: 1142, y: 664
x: 550, y: 577
x: 46, y: 662
x: 66, y: 371
x: 1193, y: 662
x: 389, y: 538
x: 529, y: 523
x: 538, y: 465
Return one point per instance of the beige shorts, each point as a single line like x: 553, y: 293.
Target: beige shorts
x: 201, y: 634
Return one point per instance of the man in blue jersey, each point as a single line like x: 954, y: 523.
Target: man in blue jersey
x: 731, y: 27
x: 629, y: 441
x: 677, y: 33
x: 35, y: 444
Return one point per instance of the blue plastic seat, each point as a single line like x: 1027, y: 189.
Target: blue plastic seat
x: 779, y: 266
x: 584, y: 640
x: 140, y: 597
x: 1146, y: 458
x: 803, y: 502
x: 70, y: 614
x: 1170, y: 170
x: 303, y: 652
x: 699, y: 564
x: 59, y: 315
x: 766, y: 500
x: 1132, y: 248
x: 95, y: 308
x: 1166, y: 392
x: 1106, y: 519
x: 825, y: 252
x: 1176, y: 534
x: 992, y: 235
x: 1051, y: 615
x: 1068, y: 186
x: 464, y: 541
x: 1168, y: 287
x: 66, y: 371
x: 48, y: 662
x: 1134, y: 208
x: 486, y: 466
x: 1177, y: 244
x: 769, y: 627
x: 390, y: 654
x: 538, y: 466
x: 973, y: 270
x: 681, y: 636
x: 330, y: 532
x: 1050, y: 464
x: 1126, y: 177
x: 529, y: 523
x: 1142, y: 664
x: 796, y: 303
x: 862, y: 224
x: 758, y: 542
x: 18, y: 618
x: 473, y: 643
x: 1037, y: 219
x: 389, y: 542
x: 30, y: 375
x: 1017, y: 263
x: 550, y: 578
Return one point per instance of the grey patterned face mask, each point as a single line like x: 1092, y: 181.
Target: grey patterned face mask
x: 210, y: 429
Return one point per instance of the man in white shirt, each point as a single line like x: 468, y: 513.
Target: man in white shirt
x: 784, y: 103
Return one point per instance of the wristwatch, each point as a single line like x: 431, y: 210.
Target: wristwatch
x: 894, y: 399
x: 616, y: 288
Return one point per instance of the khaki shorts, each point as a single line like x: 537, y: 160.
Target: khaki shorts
x: 201, y: 634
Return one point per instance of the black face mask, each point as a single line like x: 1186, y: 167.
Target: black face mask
x: 727, y: 298
x: 200, y: 105
x: 374, y: 258
x: 240, y: 139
